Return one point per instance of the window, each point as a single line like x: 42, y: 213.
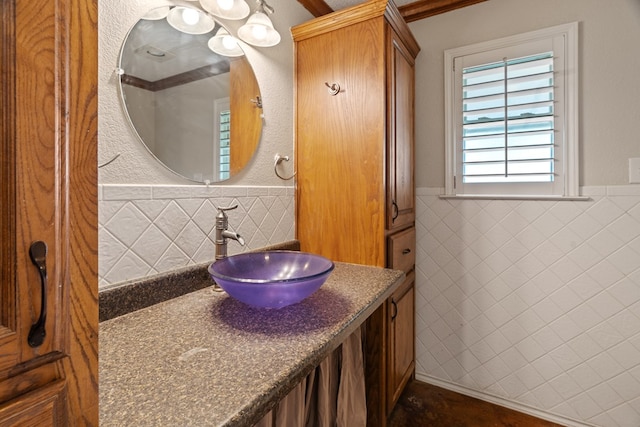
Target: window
x: 222, y: 139
x: 511, y: 114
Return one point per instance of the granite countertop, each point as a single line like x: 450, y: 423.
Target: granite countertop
x: 205, y: 359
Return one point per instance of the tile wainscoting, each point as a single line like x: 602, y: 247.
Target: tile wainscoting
x: 150, y: 229
x: 534, y: 304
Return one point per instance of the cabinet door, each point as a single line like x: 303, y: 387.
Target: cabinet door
x: 48, y: 128
x: 401, y: 340
x: 400, y: 168
x: 339, y: 144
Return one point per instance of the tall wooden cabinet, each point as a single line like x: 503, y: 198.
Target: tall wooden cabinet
x: 48, y: 194
x: 355, y: 197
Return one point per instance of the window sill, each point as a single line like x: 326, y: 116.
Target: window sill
x: 513, y: 197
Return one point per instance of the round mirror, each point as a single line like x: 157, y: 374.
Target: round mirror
x: 197, y: 110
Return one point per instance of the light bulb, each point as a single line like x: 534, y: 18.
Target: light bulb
x: 190, y: 16
x: 229, y: 42
x: 225, y: 4
x: 259, y: 32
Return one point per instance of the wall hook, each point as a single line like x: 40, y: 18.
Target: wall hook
x: 279, y: 159
x: 334, y: 88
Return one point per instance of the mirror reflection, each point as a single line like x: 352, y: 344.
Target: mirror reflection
x: 197, y: 111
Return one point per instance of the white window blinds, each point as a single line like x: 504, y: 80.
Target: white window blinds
x: 508, y: 121
x: 511, y: 115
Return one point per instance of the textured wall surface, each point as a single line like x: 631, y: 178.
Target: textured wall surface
x: 146, y: 229
x: 609, y: 93
x: 274, y: 71
x: 533, y: 303
x: 150, y: 221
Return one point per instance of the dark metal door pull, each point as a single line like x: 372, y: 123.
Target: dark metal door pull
x: 38, y: 254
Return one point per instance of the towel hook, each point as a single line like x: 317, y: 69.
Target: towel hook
x: 334, y: 88
x: 279, y: 159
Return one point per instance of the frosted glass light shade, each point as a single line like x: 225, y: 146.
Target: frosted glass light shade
x: 190, y: 21
x: 225, y: 44
x: 227, y: 9
x: 259, y: 31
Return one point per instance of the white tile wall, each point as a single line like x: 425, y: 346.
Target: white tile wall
x: 146, y: 229
x: 536, y: 303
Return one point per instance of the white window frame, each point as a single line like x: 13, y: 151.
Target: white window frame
x: 569, y: 136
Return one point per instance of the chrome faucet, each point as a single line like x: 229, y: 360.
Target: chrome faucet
x: 222, y: 232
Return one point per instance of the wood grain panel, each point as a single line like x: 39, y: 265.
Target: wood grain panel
x: 50, y: 127
x: 39, y: 147
x: 8, y: 340
x: 400, y: 188
x: 80, y: 180
x: 339, y: 153
x: 401, y: 340
x: 41, y: 408
x: 246, y: 120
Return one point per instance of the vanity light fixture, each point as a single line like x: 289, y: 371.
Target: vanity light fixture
x: 157, y: 13
x: 258, y: 30
x: 227, y: 9
x: 225, y: 44
x: 190, y: 20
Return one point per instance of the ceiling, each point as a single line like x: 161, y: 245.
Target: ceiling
x: 409, y: 9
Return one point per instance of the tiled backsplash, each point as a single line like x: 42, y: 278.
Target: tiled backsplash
x: 533, y: 303
x: 147, y: 229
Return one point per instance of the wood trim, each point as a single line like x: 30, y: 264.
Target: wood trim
x: 80, y: 189
x: 424, y: 8
x: 410, y: 12
x: 44, y: 406
x: 339, y: 19
x: 176, y: 80
x: 397, y: 22
x: 7, y: 171
x: 359, y: 13
x: 316, y: 7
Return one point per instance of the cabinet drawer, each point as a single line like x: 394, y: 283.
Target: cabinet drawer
x: 402, y: 250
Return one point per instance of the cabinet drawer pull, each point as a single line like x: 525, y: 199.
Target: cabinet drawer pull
x: 395, y: 309
x: 406, y: 251
x: 38, y: 255
x: 394, y: 205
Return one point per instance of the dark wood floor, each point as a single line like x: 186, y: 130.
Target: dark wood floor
x: 427, y: 405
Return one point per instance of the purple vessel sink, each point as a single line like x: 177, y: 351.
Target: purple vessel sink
x: 271, y: 279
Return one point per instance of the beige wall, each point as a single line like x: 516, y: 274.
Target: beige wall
x: 609, y: 65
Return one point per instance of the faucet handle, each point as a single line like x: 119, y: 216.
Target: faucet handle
x: 221, y: 210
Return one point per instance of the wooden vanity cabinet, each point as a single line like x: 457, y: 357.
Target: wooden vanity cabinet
x: 401, y: 317
x: 355, y: 197
x: 48, y: 193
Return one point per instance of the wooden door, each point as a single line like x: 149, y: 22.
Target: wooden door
x: 245, y: 133
x: 48, y: 194
x: 400, y: 188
